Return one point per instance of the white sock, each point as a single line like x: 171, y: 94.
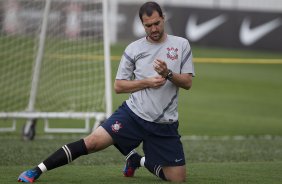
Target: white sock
x: 142, y: 161
x: 42, y: 167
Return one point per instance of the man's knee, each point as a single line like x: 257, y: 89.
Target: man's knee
x: 175, y: 174
x: 98, y: 140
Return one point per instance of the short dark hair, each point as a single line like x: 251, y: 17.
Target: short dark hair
x: 148, y: 8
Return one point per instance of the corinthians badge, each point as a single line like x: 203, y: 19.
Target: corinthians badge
x: 116, y: 126
x: 172, y: 53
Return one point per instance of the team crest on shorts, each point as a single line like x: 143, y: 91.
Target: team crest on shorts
x: 172, y: 53
x: 116, y: 126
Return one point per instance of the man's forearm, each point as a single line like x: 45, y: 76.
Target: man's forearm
x: 182, y: 80
x: 129, y: 86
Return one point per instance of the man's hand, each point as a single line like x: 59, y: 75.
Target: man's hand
x: 181, y: 80
x: 156, y: 82
x: 160, y: 67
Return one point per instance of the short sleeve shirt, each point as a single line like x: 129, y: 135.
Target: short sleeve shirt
x: 157, y: 105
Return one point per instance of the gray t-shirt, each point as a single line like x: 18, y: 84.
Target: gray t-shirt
x: 155, y: 105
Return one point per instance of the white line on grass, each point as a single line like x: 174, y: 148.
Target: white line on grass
x: 227, y: 138
x: 183, y: 138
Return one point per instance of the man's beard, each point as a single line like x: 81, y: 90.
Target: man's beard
x: 156, y: 36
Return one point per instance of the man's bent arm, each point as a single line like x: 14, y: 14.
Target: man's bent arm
x: 130, y: 86
x: 182, y: 80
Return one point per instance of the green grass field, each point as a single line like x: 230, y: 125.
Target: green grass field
x: 230, y: 121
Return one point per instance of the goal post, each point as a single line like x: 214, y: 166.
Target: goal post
x: 55, y: 61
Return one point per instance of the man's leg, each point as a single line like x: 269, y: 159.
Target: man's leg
x: 175, y: 173
x: 172, y: 173
x: 96, y: 141
x: 156, y: 170
x: 164, y: 153
x: 134, y: 161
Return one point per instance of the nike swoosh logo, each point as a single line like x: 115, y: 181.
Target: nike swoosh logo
x: 178, y: 160
x: 249, y: 36
x: 195, y: 32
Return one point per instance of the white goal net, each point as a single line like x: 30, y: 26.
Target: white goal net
x: 54, y: 59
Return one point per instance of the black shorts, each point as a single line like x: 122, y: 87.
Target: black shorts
x: 161, y: 142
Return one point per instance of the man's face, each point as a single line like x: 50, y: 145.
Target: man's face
x: 154, y: 26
